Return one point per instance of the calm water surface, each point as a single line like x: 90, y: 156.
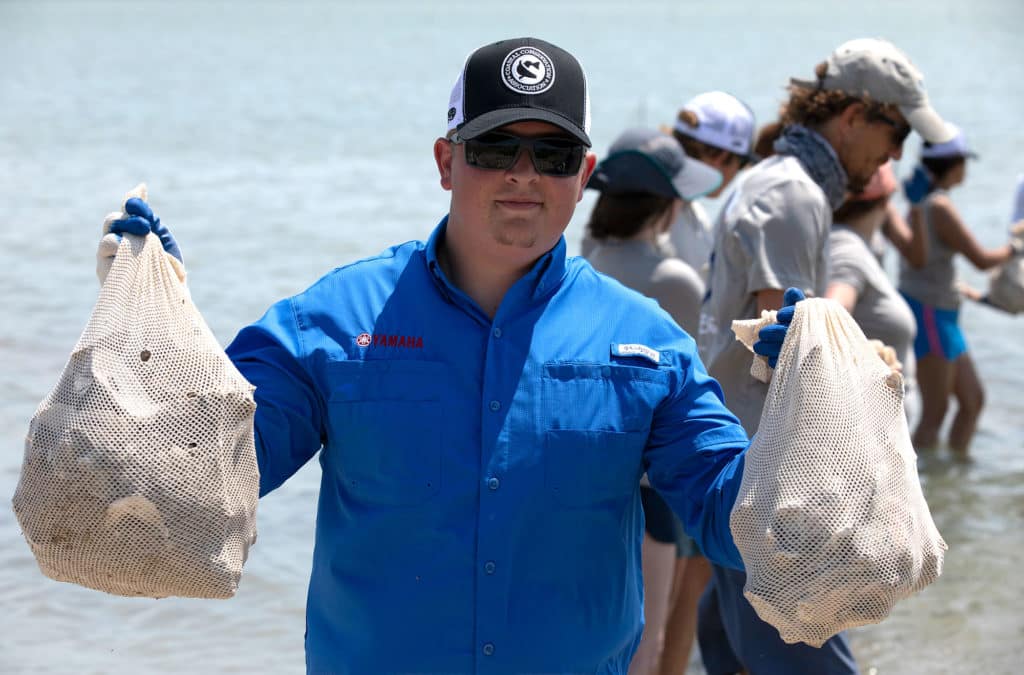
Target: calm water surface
x: 282, y: 139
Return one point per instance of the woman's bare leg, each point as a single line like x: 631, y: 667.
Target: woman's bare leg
x: 935, y: 381
x: 970, y: 397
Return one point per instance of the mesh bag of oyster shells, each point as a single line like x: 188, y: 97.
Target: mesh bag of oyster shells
x: 139, y: 476
x: 1006, y: 285
x: 830, y: 519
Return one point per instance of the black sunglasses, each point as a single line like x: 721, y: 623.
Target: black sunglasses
x: 551, y: 156
x: 900, y: 130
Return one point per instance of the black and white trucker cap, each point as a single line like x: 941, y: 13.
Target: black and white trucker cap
x: 517, y: 80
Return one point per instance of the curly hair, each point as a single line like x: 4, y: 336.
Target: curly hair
x: 814, y: 107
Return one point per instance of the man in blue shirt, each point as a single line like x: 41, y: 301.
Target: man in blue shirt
x: 484, y: 408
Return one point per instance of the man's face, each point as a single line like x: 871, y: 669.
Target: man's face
x: 513, y: 215
x: 870, y: 141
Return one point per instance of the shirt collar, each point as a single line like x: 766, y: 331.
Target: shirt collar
x: 543, y: 278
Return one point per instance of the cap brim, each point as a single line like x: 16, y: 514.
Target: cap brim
x: 696, y: 179
x: 924, y: 120
x: 490, y: 121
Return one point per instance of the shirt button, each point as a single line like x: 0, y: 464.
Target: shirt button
x: 489, y: 567
x: 495, y: 406
x: 493, y: 483
x: 488, y: 649
x: 606, y: 371
x: 497, y: 332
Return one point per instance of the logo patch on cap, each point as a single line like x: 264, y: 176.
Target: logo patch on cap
x: 528, y: 70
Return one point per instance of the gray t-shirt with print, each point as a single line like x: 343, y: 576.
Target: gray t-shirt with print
x: 644, y: 268
x: 772, y: 234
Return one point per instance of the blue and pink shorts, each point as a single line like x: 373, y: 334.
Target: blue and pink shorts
x: 938, y: 331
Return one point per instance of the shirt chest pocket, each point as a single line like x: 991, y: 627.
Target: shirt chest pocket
x: 597, y: 418
x: 385, y: 430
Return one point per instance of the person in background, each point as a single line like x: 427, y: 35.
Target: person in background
x: 644, y: 181
x: 858, y: 282
x: 718, y: 129
x: 833, y: 134
x: 483, y: 407
x: 944, y: 366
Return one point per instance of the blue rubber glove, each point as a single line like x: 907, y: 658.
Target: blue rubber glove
x: 917, y: 187
x: 770, y: 338
x: 141, y: 221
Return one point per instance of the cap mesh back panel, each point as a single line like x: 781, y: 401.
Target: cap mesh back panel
x: 830, y: 518
x: 140, y: 475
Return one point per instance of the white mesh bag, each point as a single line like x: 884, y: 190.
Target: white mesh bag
x: 830, y: 519
x: 139, y: 476
x: 1006, y: 285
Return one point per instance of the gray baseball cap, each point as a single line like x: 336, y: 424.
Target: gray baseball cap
x: 876, y: 69
x: 648, y: 161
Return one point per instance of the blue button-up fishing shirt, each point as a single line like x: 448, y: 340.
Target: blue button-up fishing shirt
x: 479, y: 507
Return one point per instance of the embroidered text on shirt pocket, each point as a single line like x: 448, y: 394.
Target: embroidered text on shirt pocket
x: 386, y: 428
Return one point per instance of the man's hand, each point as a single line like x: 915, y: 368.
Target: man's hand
x: 770, y: 338
x: 138, y: 219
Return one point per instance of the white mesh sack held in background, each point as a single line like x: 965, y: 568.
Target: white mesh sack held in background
x: 1006, y: 286
x: 140, y: 475
x: 830, y: 519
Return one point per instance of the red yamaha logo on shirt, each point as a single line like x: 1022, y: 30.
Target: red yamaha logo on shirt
x: 384, y: 340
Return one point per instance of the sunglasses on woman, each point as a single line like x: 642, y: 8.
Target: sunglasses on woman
x: 498, y: 151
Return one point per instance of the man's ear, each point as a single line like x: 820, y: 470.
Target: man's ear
x: 852, y: 115
x: 443, y: 157
x: 589, y: 162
